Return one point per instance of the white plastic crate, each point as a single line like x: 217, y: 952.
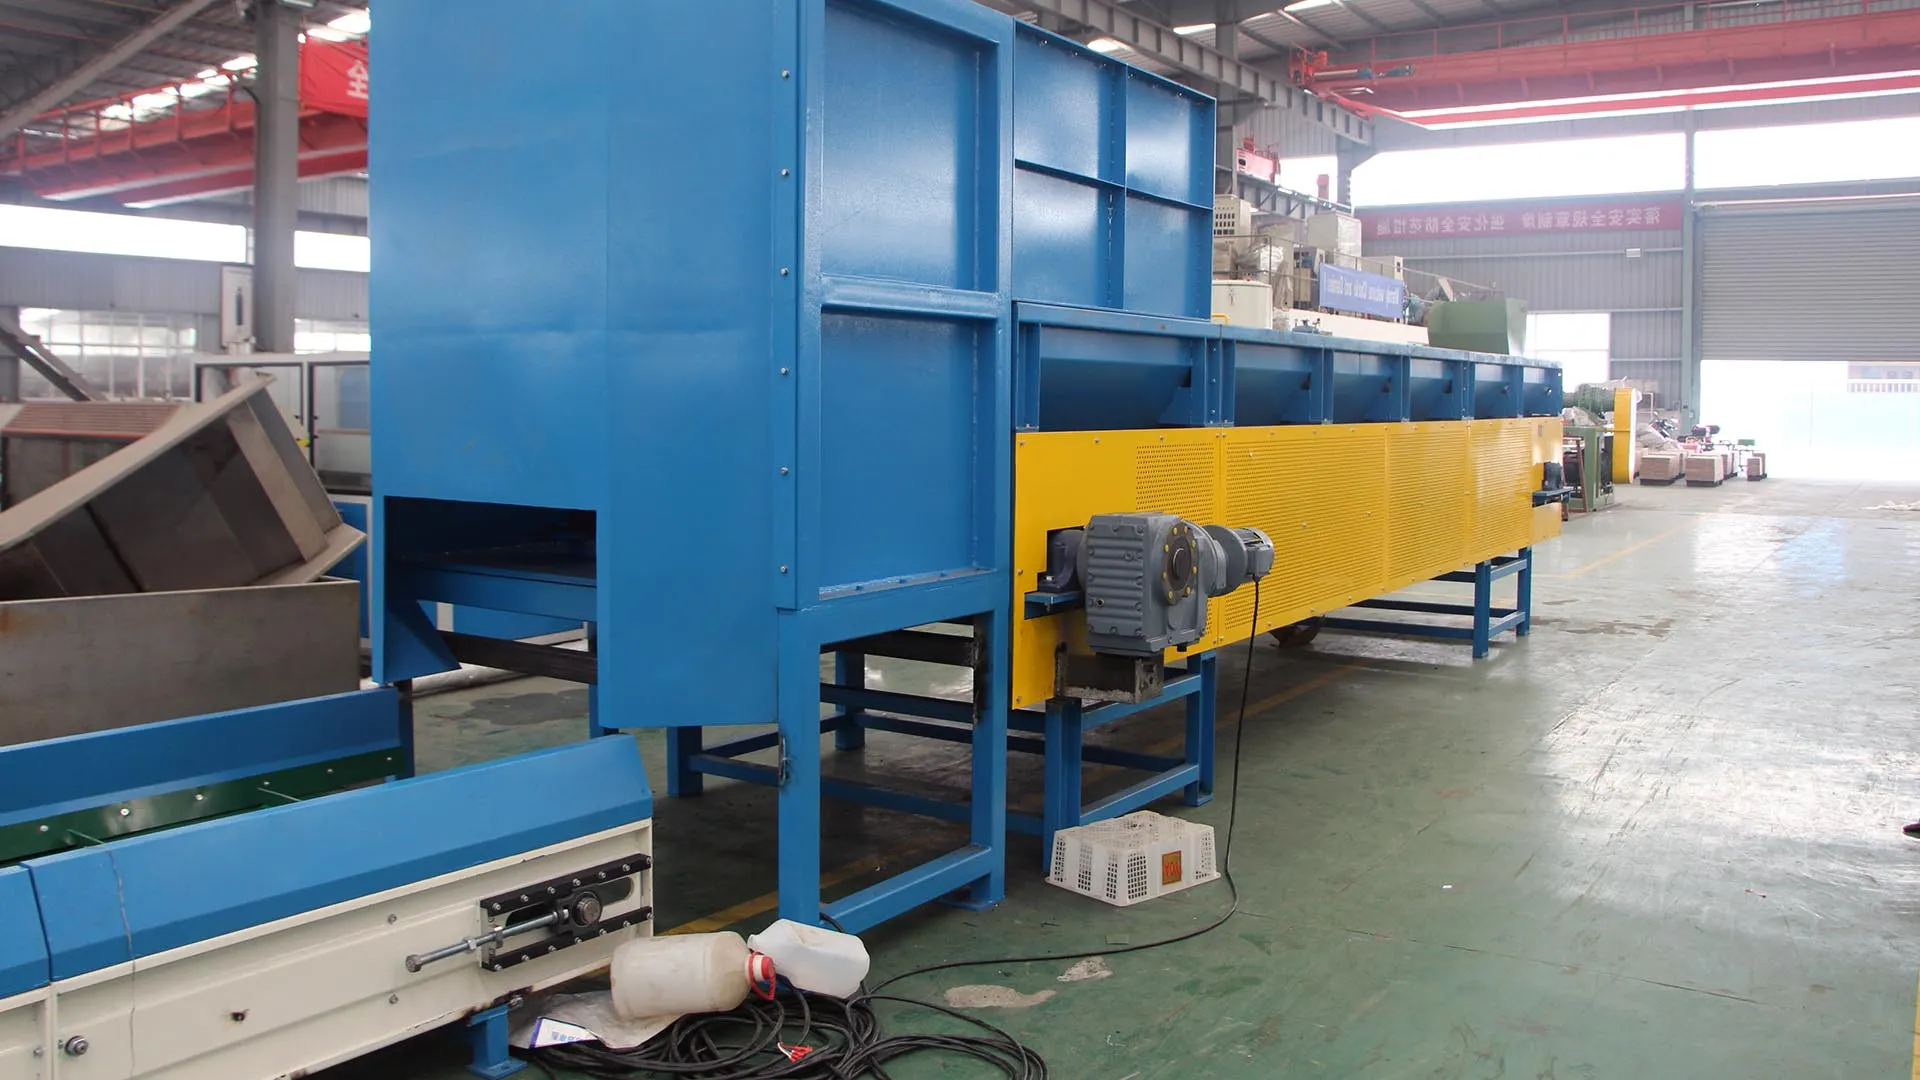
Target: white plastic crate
x: 1135, y: 857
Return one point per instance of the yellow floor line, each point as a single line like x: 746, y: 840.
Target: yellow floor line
x: 1916, y: 1034
x: 760, y: 905
x: 1623, y: 552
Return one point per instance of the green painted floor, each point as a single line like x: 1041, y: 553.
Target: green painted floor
x: 1658, y: 839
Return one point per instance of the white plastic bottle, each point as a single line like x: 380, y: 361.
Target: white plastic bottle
x: 686, y: 973
x: 814, y: 958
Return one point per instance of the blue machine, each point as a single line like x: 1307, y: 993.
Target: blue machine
x: 205, y: 897
x: 724, y: 354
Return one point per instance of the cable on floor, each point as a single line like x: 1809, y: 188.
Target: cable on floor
x: 798, y: 1035
x: 1226, y: 853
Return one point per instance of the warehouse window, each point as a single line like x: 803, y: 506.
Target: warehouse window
x: 125, y: 354
x: 326, y: 335
x: 1809, y: 153
x: 1581, y: 341
x: 1522, y: 171
x: 50, y: 229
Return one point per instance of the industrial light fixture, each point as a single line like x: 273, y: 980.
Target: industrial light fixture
x: 1193, y: 28
x: 1105, y: 45
x: 1307, y: 5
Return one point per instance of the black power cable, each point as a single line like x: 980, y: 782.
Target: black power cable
x: 1226, y: 852
x: 803, y: 1036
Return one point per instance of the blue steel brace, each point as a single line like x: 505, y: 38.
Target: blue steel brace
x: 1063, y: 726
x: 1485, y: 622
x: 487, y: 1038
x: 850, y: 669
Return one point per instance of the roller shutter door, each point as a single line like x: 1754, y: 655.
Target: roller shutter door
x: 1836, y: 282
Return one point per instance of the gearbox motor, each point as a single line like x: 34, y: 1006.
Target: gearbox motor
x: 1146, y: 577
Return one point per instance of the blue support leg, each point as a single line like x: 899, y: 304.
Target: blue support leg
x: 1202, y: 707
x: 850, y: 669
x: 406, y: 767
x: 799, y: 721
x: 487, y: 1036
x: 1482, y: 609
x: 683, y: 745
x: 990, y: 762
x: 1523, y: 595
x: 1060, y: 783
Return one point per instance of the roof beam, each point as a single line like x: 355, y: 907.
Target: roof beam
x: 1363, y: 16
x: 1281, y: 48
x: 1160, y: 43
x: 126, y: 48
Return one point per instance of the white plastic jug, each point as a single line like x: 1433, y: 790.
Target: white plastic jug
x: 686, y: 973
x: 814, y: 958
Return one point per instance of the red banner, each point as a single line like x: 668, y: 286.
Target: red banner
x: 333, y: 76
x: 1505, y: 219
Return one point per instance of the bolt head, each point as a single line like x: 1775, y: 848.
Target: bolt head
x: 75, y: 1046
x: 393, y: 999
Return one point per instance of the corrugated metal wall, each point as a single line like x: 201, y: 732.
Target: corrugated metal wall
x: 1558, y: 271
x: 65, y: 279
x: 1646, y: 335
x: 1289, y: 132
x: 1578, y: 272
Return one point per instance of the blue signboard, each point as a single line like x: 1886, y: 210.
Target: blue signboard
x: 1342, y: 289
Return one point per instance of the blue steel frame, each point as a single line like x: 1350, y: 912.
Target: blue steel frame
x: 1484, y: 621
x: 1062, y: 726
x: 784, y: 422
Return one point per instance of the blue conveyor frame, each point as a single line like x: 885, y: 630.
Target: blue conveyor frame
x: 106, y: 901
x: 746, y: 388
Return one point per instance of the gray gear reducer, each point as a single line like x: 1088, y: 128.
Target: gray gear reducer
x: 1146, y: 578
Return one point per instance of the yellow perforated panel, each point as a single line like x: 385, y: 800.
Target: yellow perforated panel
x: 1504, y: 474
x: 1355, y: 511
x: 1430, y: 503
x: 1318, y: 492
x: 1177, y: 478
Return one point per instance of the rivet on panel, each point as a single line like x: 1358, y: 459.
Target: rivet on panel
x: 783, y: 569
x: 786, y: 73
x: 784, y: 470
x: 784, y: 271
x: 783, y: 371
x: 786, y: 172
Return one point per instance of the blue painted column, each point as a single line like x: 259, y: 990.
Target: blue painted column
x: 1523, y: 597
x: 1482, y: 608
x: 991, y: 703
x: 799, y: 722
x: 1202, y: 710
x: 487, y: 1038
x: 850, y: 669
x: 1060, y: 795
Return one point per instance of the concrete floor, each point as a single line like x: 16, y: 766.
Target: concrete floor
x: 1659, y: 838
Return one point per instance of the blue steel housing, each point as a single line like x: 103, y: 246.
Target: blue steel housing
x: 108, y: 900
x: 724, y: 354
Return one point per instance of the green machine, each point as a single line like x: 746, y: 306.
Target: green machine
x: 1488, y: 326
x: 1586, y: 455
